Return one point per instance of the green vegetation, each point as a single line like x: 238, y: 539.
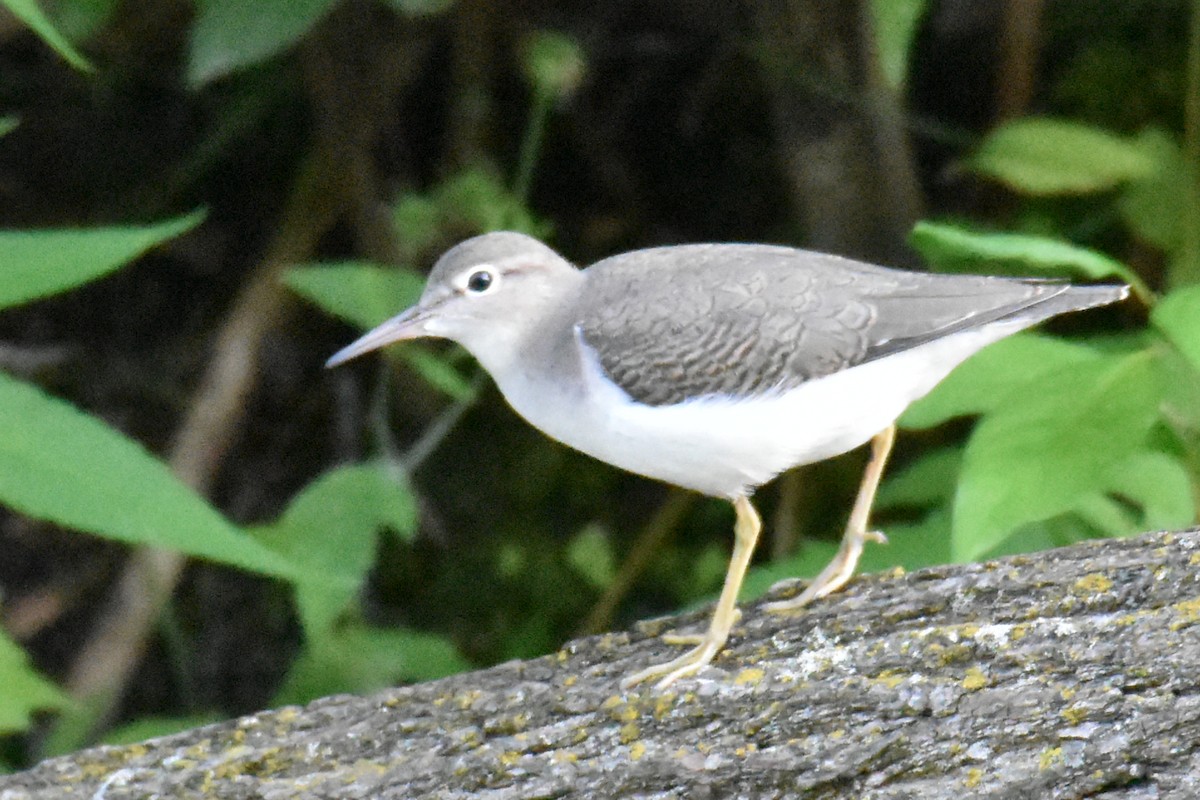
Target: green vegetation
x: 1092, y: 433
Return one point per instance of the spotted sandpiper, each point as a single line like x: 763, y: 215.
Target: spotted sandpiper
x: 717, y: 366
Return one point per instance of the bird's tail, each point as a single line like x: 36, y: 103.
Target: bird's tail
x: 1074, y: 298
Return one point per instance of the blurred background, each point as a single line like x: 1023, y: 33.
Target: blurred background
x: 201, y: 201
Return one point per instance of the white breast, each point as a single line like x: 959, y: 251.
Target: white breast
x: 723, y: 446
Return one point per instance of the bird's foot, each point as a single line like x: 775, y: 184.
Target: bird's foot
x: 836, y: 573
x: 691, y: 662
x: 694, y: 638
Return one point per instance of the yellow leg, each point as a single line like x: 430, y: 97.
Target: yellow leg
x: 841, y: 568
x: 745, y: 533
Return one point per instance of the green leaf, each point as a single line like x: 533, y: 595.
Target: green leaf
x: 1178, y: 317
x: 1043, y: 156
x: 438, y: 372
x: 954, y: 249
x: 362, y: 659
x: 155, y: 727
x: 61, y: 465
x: 896, y: 23
x: 990, y: 379
x: 1153, y: 206
x: 554, y: 63
x: 1042, y: 453
x: 330, y: 528
x: 910, y: 546
x: 230, y: 35
x: 590, y: 554
x: 360, y: 293
x: 8, y: 124
x: 44, y: 262
x: 30, y: 12
x: 421, y: 8
x: 1160, y: 484
x: 25, y: 691
x: 927, y: 482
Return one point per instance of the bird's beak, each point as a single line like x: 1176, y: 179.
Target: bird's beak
x: 407, y: 325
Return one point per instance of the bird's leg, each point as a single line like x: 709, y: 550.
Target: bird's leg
x: 839, y: 570
x: 745, y: 534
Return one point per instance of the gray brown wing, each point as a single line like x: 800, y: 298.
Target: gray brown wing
x: 670, y: 324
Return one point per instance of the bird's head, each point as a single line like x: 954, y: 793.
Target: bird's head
x: 485, y: 293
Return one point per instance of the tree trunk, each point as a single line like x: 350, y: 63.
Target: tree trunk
x: 1070, y: 673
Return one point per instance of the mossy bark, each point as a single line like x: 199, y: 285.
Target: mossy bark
x: 1070, y: 673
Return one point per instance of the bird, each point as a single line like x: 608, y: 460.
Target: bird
x: 715, y: 367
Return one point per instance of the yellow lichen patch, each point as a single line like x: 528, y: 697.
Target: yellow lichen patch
x: 467, y: 699
x: 570, y: 680
x: 612, y: 702
x: 1050, y: 757
x: 974, y: 777
x: 1194, y: 560
x: 561, y: 656
x: 1067, y: 693
x: 1187, y: 613
x: 563, y: 757
x: 636, y: 751
x: 629, y: 732
x: 889, y: 678
x: 626, y: 714
x: 1018, y: 632
x: 742, y: 752
x: 840, y: 733
x: 509, y: 758
x: 1096, y: 583
x: 1074, y: 714
x: 663, y: 704
x: 750, y: 675
x: 974, y: 680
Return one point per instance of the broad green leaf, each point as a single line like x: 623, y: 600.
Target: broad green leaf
x: 361, y: 659
x: 365, y: 295
x: 1009, y: 368
x: 37, y: 263
x: 1153, y: 206
x: 954, y: 249
x: 1178, y: 317
x: 8, y: 124
x: 61, y: 465
x: 1041, y: 453
x: 896, y: 23
x: 30, y: 12
x: 590, y: 553
x: 330, y: 528
x: 230, y: 35
x: 1043, y: 156
x: 927, y: 482
x: 1160, y: 484
x: 360, y: 293
x: 25, y: 691
x: 331, y: 525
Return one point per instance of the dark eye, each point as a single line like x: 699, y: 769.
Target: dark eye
x: 479, y: 281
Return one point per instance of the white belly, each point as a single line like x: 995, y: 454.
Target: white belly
x: 726, y: 447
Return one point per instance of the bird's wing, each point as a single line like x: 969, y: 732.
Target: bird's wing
x: 671, y: 324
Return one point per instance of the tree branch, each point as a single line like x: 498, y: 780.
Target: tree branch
x: 1070, y: 673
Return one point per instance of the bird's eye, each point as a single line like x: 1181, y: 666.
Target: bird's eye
x: 480, y: 281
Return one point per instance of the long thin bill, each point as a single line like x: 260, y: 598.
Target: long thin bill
x: 406, y: 325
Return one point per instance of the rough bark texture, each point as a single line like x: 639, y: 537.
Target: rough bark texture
x: 1072, y: 673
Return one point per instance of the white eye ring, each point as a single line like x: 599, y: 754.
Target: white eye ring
x: 479, y: 280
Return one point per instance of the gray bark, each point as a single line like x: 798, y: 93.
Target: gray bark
x: 1066, y: 674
